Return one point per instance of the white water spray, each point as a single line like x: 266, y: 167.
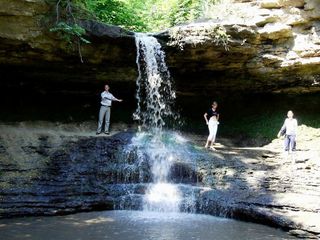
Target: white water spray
x: 155, y: 95
x: 155, y: 98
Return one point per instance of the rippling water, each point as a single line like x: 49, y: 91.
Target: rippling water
x: 134, y: 225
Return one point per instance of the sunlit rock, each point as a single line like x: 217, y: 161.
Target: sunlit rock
x: 281, y: 3
x: 270, y: 4
x: 275, y: 31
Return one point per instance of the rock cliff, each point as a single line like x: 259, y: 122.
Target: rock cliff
x: 274, y: 46
x: 34, y: 58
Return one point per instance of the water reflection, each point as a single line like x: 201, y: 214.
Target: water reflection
x: 134, y: 225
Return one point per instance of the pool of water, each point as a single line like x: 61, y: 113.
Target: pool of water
x: 134, y: 225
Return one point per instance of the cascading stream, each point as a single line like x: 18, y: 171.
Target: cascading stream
x: 155, y: 98
x: 155, y: 95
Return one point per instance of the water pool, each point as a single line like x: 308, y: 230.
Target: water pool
x: 135, y: 225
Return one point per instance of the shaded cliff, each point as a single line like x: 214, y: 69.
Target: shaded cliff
x: 35, y: 59
x: 274, y: 46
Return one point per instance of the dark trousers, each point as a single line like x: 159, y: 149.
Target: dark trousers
x: 290, y: 143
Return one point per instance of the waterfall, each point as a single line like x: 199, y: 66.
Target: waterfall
x: 155, y: 98
x: 155, y: 95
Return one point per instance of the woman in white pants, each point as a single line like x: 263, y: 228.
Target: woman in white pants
x: 212, y: 119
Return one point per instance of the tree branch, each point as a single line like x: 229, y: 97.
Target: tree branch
x: 57, y: 11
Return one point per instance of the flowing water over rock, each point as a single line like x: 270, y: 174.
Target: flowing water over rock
x: 172, y: 171
x: 155, y: 97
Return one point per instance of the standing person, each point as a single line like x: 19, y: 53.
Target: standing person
x: 212, y: 117
x: 105, y: 109
x: 289, y: 128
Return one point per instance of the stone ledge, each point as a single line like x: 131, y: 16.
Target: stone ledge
x: 270, y: 4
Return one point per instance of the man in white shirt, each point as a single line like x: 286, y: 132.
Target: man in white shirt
x: 290, y: 127
x: 105, y: 109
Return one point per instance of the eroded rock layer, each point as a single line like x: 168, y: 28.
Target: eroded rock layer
x: 49, y: 169
x: 32, y: 57
x: 274, y: 46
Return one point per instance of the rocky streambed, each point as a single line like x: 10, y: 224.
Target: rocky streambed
x: 52, y: 168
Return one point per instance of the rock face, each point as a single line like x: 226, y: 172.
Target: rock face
x: 266, y: 185
x: 34, y: 58
x: 52, y: 174
x: 56, y: 169
x: 69, y: 169
x: 274, y: 46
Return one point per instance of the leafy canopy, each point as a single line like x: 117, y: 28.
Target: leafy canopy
x: 146, y: 15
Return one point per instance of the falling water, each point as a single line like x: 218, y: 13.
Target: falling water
x: 155, y: 95
x: 155, y: 98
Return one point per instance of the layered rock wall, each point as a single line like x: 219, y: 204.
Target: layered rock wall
x: 32, y: 56
x: 274, y: 46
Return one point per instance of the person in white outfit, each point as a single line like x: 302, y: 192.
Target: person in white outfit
x: 212, y: 119
x: 105, y: 109
x: 289, y: 129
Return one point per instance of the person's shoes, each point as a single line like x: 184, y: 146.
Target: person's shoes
x: 212, y: 148
x: 97, y: 133
x: 107, y: 133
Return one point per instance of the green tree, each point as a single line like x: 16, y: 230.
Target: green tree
x: 137, y: 15
x: 117, y: 12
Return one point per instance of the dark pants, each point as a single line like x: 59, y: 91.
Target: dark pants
x: 290, y: 143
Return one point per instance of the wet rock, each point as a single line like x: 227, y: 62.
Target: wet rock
x: 75, y: 173
x: 267, y: 186
x: 64, y: 179
x: 85, y: 172
x: 302, y: 234
x: 2, y: 149
x: 183, y: 173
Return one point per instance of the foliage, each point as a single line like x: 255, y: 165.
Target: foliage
x: 66, y: 23
x: 184, y: 11
x: 137, y: 15
x: 70, y: 32
x: 220, y: 36
x: 146, y: 15
x: 117, y: 12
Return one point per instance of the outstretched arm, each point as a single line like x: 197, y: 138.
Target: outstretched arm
x: 116, y: 99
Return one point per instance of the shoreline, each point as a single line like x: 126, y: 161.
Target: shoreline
x: 257, y: 183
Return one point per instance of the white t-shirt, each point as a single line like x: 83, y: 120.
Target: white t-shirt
x: 107, y: 98
x: 291, y: 126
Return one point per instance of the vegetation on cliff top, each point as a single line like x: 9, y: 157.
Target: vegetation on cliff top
x: 140, y: 15
x: 135, y: 15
